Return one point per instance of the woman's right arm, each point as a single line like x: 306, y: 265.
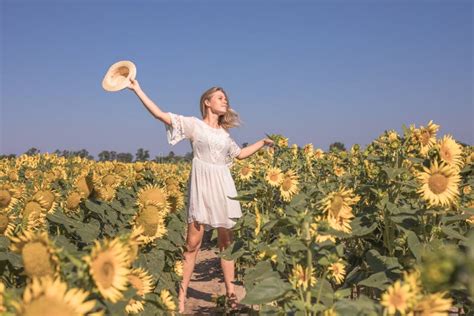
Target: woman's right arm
x: 148, y: 103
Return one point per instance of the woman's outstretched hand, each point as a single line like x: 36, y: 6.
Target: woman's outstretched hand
x: 134, y: 85
x: 268, y: 142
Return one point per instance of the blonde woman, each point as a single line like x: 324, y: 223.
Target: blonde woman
x: 210, y: 181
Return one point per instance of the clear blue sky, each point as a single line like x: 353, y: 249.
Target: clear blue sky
x: 314, y: 71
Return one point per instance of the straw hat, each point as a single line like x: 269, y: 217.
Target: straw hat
x: 118, y: 76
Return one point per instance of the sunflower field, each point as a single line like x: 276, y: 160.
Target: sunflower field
x: 384, y: 230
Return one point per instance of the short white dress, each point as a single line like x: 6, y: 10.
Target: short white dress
x: 210, y: 181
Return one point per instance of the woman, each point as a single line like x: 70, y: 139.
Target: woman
x: 210, y: 181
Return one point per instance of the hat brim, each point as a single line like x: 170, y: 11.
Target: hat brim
x: 118, y: 76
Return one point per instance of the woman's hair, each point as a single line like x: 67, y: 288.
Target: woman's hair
x: 229, y: 119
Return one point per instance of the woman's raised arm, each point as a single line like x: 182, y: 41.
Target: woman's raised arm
x: 148, y: 103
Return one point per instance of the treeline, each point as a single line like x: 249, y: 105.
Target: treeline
x: 106, y: 155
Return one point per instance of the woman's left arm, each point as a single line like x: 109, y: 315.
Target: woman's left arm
x: 251, y: 149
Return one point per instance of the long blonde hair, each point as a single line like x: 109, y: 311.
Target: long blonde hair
x: 229, y: 119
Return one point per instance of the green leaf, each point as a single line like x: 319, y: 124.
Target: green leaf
x: 378, y: 280
x: 414, y: 245
x: 452, y: 233
x: 267, y: 290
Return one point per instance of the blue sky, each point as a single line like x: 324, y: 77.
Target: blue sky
x: 314, y: 71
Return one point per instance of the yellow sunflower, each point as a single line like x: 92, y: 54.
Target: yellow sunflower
x: 133, y: 242
x: 7, y: 223
x: 338, y: 206
x: 412, y: 278
x: 105, y: 192
x: 316, y: 234
x: 152, y: 219
x: 337, y: 271
x: 8, y: 200
x: 302, y: 277
x: 434, y: 305
x: 274, y: 176
x: 142, y: 282
x: 397, y: 298
x: 439, y: 184
x: 72, y: 201
x: 178, y: 268
x: 37, y: 252
x: 427, y: 137
x: 338, y: 171
x: 246, y: 171
x: 167, y: 300
x: 45, y: 296
x: 2, y: 291
x: 152, y: 194
x: 175, y: 200
x: 108, y: 266
x: 289, y: 185
x: 84, y: 185
x: 450, y: 152
x: 318, y: 153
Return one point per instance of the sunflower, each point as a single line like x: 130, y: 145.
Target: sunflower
x: 315, y: 233
x: 302, y: 277
x: 152, y: 194
x: 318, y: 153
x: 338, y: 206
x: 8, y: 199
x: 274, y: 176
x: 167, y: 300
x: 338, y: 171
x: 439, y: 184
x: 178, y: 268
x: 108, y: 266
x: 450, y: 151
x: 434, y: 305
x: 337, y: 271
x: 152, y: 219
x: 142, y: 282
x: 84, y: 185
x: 289, y: 185
x: 105, y: 192
x: 308, y: 150
x: 396, y: 298
x: 258, y: 221
x: 412, y: 278
x: 427, y: 137
x: 72, y: 201
x: 7, y: 223
x: 45, y: 296
x: 133, y: 242
x: 246, y: 171
x: 175, y: 200
x: 49, y: 195
x: 37, y: 252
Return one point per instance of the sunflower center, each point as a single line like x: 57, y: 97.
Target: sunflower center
x: 36, y: 259
x: 48, y: 196
x: 438, y: 183
x: 73, y: 200
x: 3, y: 223
x: 32, y: 209
x: 106, y: 275
x: 274, y: 177
x: 245, y: 171
x: 5, y: 198
x: 446, y: 154
x: 44, y: 305
x: 397, y: 299
x: 149, y: 220
x: 137, y: 283
x: 154, y: 194
x: 287, y: 184
x: 336, y: 204
x: 108, y: 180
x: 425, y: 137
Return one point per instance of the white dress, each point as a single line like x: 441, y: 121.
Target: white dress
x: 210, y: 182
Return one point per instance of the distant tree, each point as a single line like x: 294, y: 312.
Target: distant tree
x: 124, y: 157
x: 171, y: 154
x: 9, y: 156
x: 104, y: 155
x: 113, y: 155
x: 32, y: 151
x: 337, y: 146
x: 188, y: 156
x: 245, y: 144
x: 142, y: 155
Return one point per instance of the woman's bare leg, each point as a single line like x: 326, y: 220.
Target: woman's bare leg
x: 224, y: 239
x: 193, y: 243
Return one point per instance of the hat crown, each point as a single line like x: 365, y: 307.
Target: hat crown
x: 118, y: 75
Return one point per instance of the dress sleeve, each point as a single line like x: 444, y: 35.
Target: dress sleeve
x: 181, y: 127
x: 234, y: 151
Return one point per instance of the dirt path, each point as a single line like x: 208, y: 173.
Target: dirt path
x: 207, y: 281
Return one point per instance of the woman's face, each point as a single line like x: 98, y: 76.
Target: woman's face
x: 218, y: 103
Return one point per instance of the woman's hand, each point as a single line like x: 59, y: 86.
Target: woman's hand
x: 134, y: 85
x: 268, y: 142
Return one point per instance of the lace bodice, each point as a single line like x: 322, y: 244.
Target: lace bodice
x: 212, y: 145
